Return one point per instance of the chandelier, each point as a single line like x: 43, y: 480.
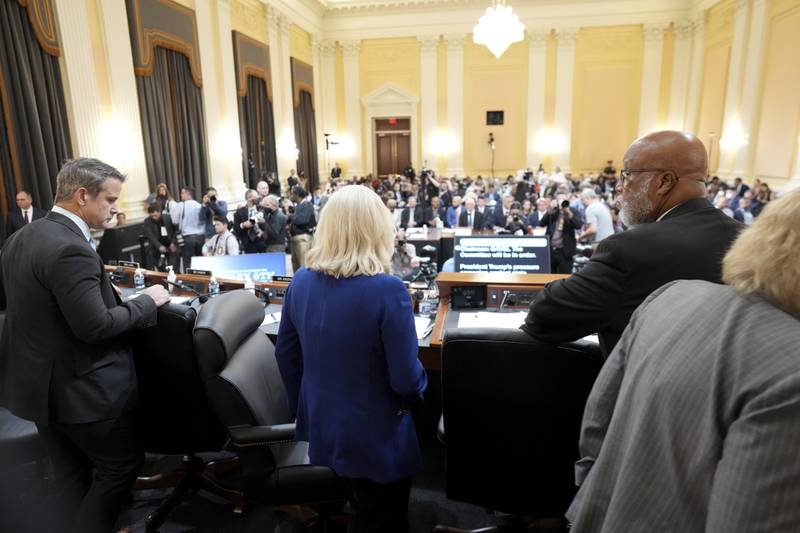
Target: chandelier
x: 498, y: 28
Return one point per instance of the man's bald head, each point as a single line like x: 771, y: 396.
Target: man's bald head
x: 675, y: 151
x: 661, y: 170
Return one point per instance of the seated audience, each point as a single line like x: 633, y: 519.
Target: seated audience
x: 413, y: 215
x: 501, y: 212
x: 25, y: 213
x: 212, y: 206
x: 516, y: 223
x: 744, y: 213
x: 224, y: 242
x: 692, y: 422
x: 470, y: 217
x: 542, y: 205
x: 721, y: 203
x: 274, y: 225
x: 435, y: 214
x: 454, y: 212
x: 350, y: 387
x: 162, y: 249
x: 676, y: 234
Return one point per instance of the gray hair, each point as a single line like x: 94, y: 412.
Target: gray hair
x: 84, y: 172
x: 589, y: 194
x: 271, y: 199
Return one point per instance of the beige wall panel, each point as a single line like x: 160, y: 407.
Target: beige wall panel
x: 185, y: 3
x: 300, y: 44
x: 667, y: 58
x: 779, y: 122
x: 712, y: 101
x: 440, y: 165
x: 607, y: 91
x: 250, y: 18
x: 492, y: 84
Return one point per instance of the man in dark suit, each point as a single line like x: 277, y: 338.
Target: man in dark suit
x: 413, y: 215
x: 65, y: 356
x: 561, y: 222
x: 24, y: 214
x: 676, y: 234
x: 501, y: 212
x: 248, y: 225
x: 470, y: 216
x: 435, y: 214
x: 160, y: 233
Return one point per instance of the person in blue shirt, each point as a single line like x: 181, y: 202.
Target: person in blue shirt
x: 348, y: 355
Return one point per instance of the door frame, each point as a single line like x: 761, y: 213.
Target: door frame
x: 386, y: 101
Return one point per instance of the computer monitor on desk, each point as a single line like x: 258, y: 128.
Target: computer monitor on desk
x: 258, y: 267
x: 511, y: 254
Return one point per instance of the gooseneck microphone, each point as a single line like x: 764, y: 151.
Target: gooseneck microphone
x: 203, y: 298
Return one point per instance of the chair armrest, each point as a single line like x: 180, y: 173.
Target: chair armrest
x: 261, y: 435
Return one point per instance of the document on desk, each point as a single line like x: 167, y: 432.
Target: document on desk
x: 424, y: 326
x: 271, y: 318
x: 484, y: 319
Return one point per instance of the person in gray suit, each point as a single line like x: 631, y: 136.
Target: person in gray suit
x: 65, y: 357
x: 692, y: 424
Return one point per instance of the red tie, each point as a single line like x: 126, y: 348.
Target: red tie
x: 25, y: 216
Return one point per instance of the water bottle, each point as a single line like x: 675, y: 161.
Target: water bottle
x: 249, y: 285
x: 138, y: 279
x: 171, y: 277
x: 425, y: 229
x: 213, y: 287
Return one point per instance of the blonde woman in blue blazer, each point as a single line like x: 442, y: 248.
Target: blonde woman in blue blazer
x: 347, y: 351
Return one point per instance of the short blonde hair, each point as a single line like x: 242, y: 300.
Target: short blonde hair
x: 765, y: 260
x: 355, y: 235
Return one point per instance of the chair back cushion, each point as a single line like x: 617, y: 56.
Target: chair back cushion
x: 512, y: 415
x: 174, y: 414
x: 238, y: 362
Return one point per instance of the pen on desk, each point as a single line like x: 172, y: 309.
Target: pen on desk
x: 427, y: 331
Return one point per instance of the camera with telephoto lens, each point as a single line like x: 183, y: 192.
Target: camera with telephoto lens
x: 565, y: 203
x: 212, y: 199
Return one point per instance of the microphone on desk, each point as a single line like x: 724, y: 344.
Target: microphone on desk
x: 203, y: 298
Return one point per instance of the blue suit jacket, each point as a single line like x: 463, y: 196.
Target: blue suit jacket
x: 347, y: 352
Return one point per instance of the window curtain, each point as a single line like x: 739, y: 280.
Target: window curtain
x: 173, y: 127
x: 257, y: 131
x: 306, y: 139
x: 34, y: 132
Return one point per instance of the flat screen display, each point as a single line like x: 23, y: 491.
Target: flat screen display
x: 258, y: 267
x: 524, y: 254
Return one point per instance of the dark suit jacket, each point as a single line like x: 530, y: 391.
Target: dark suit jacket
x: 688, y: 243
x: 430, y: 214
x: 152, y: 232
x: 550, y: 220
x: 15, y: 221
x: 498, y: 218
x: 418, y: 217
x: 251, y: 243
x: 478, y: 223
x: 65, y: 355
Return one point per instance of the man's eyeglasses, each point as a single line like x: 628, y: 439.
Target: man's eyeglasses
x: 625, y: 174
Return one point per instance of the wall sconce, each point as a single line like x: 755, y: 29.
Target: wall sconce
x: 443, y: 143
x: 550, y: 141
x: 345, y: 147
x: 115, y: 142
x: 286, y: 149
x: 734, y: 137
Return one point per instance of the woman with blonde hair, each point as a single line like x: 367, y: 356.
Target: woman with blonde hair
x: 347, y: 352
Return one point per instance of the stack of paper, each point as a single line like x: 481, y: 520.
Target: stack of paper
x: 424, y: 326
x: 485, y: 319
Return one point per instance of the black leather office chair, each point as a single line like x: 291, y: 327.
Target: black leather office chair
x: 512, y: 411
x: 247, y: 392
x: 174, y: 414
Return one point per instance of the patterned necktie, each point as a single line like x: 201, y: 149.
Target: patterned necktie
x: 25, y: 216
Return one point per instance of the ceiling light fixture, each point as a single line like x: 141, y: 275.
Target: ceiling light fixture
x: 498, y: 28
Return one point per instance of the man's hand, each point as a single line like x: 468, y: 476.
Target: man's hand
x: 247, y: 224
x: 162, y: 249
x: 158, y: 293
x: 567, y: 212
x: 173, y: 248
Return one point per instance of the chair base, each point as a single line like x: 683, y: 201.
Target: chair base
x: 192, y: 476
x: 512, y: 525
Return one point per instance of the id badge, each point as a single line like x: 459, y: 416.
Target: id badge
x: 163, y: 231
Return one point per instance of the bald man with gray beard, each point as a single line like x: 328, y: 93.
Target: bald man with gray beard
x: 675, y: 234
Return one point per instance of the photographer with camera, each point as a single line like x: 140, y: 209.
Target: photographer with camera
x: 248, y: 222
x: 405, y: 263
x: 516, y: 224
x: 212, y: 207
x: 561, y: 221
x: 275, y: 225
x: 159, y: 231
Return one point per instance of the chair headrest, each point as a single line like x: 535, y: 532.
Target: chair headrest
x: 232, y: 317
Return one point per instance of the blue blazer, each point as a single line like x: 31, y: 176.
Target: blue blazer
x: 348, y: 354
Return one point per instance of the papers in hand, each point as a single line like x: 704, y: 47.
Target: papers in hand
x: 271, y: 318
x: 424, y: 326
x: 484, y: 319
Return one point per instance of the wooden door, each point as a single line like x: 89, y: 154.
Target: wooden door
x: 394, y: 153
